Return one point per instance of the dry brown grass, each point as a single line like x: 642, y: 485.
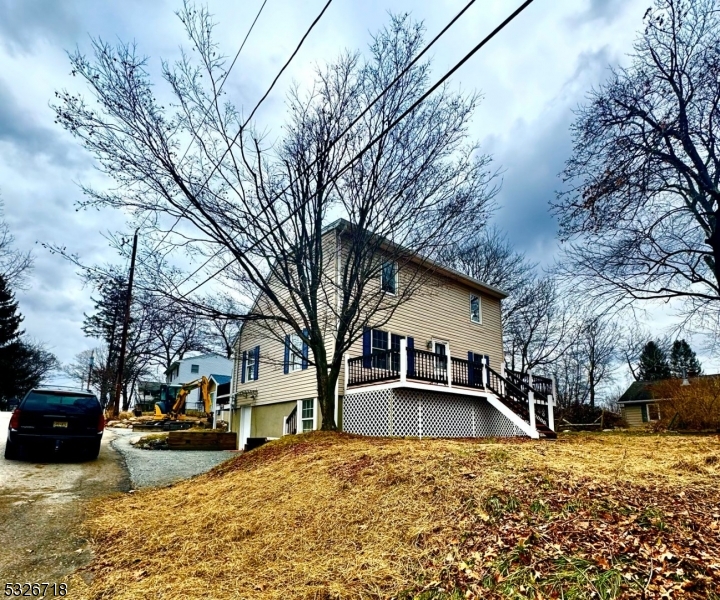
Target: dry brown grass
x: 335, y: 516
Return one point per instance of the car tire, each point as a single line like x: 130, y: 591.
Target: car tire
x: 12, y: 452
x: 93, y: 450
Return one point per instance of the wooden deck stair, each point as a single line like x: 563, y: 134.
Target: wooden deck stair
x: 513, y: 392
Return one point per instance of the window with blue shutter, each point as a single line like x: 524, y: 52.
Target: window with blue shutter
x: 295, y: 353
x: 257, y: 363
x: 244, y: 366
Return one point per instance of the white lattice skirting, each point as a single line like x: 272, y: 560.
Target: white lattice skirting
x: 417, y: 413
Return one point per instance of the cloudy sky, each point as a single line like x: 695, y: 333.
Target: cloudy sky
x: 531, y: 77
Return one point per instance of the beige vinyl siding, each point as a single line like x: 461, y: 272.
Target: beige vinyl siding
x: 632, y: 415
x: 442, y: 313
x: 273, y: 385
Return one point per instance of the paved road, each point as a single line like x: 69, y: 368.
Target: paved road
x: 162, y: 467
x: 42, y: 506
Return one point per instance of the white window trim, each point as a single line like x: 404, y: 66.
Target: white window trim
x: 446, y: 343
x: 658, y: 412
x: 248, y: 371
x: 300, y: 415
x: 480, y: 315
x: 397, y: 281
x: 292, y: 356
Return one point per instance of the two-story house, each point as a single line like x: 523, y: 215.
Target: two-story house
x: 194, y: 367
x: 434, y: 368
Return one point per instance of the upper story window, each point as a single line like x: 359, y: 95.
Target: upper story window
x: 389, y: 278
x: 250, y: 367
x: 295, y: 355
x: 475, y: 309
x: 194, y: 368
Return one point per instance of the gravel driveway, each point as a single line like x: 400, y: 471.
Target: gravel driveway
x: 162, y: 467
x: 43, y: 501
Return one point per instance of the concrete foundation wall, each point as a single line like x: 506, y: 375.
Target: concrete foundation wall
x: 267, y: 420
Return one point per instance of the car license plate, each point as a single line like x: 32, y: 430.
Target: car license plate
x: 60, y: 423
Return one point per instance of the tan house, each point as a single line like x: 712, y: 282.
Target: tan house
x: 638, y: 407
x: 435, y: 368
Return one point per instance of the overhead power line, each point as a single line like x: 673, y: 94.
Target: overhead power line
x: 352, y: 123
x: 207, y: 112
x: 389, y: 127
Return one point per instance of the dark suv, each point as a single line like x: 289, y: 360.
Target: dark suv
x: 56, y: 419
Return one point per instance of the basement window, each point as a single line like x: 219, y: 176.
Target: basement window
x: 308, y: 415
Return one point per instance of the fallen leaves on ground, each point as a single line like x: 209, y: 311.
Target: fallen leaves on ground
x: 336, y: 516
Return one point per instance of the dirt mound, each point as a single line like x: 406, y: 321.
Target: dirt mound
x: 338, y: 516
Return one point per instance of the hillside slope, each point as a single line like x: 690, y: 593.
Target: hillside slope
x: 335, y: 516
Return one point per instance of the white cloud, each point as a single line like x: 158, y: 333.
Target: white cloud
x: 531, y: 76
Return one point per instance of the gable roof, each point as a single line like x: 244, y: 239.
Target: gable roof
x: 641, y: 391
x: 491, y: 290
x: 220, y: 379
x: 638, y: 391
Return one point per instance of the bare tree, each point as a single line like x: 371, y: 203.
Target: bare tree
x: 488, y: 256
x: 172, y: 331
x: 14, y: 265
x: 220, y: 332
x: 598, y: 349
x: 538, y: 332
x: 362, y: 144
x: 643, y: 204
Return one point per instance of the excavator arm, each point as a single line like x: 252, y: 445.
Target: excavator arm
x: 203, y: 384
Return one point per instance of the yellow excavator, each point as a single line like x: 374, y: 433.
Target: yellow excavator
x: 172, y: 408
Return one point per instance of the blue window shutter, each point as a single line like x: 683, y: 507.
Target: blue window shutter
x: 304, y: 351
x: 367, y: 348
x: 257, y: 361
x: 471, y: 368
x: 244, y: 364
x: 286, y: 362
x: 411, y: 356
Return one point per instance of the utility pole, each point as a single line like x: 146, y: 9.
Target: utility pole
x: 90, y: 368
x: 126, y: 325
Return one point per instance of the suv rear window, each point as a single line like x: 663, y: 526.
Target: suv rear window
x: 40, y: 400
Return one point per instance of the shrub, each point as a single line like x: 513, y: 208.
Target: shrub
x: 695, y: 406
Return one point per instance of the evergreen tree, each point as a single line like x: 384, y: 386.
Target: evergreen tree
x: 683, y: 360
x: 105, y: 323
x: 653, y: 363
x: 22, y: 364
x: 10, y: 319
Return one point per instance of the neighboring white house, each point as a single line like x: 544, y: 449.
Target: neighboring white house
x: 193, y: 367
